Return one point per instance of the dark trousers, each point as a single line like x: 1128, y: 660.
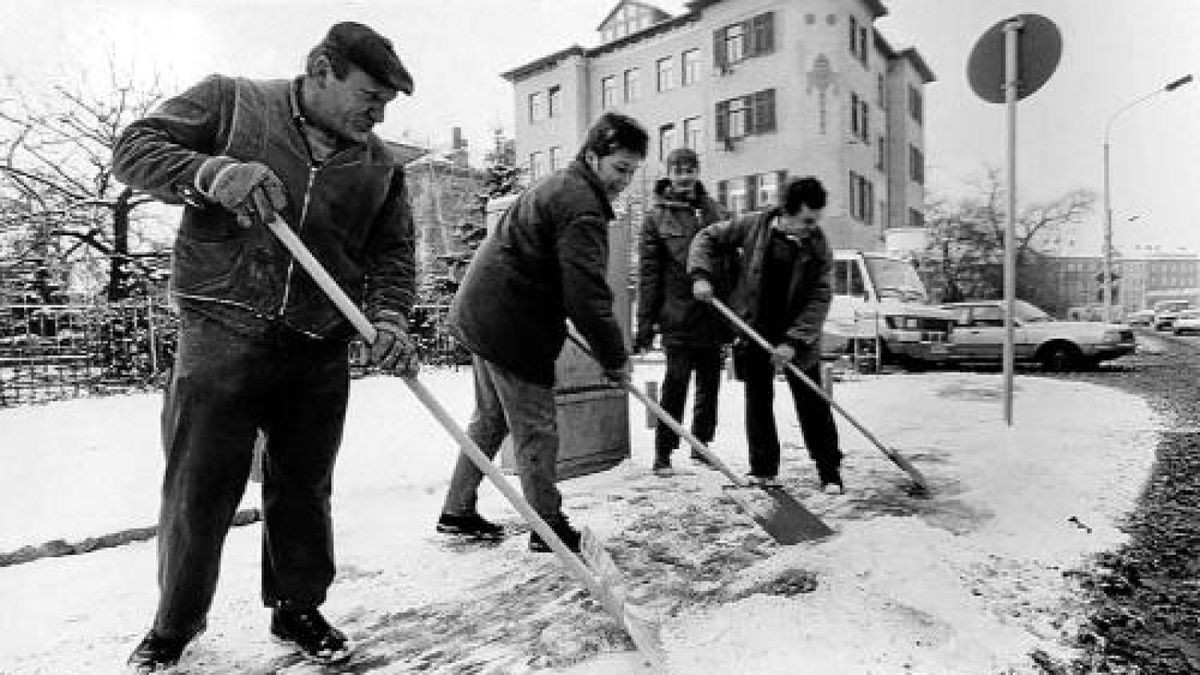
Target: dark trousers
x: 223, y: 389
x: 682, y: 361
x: 814, y: 413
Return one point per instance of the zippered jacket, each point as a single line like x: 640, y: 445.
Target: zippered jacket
x: 545, y: 262
x: 809, y: 290
x: 351, y: 211
x: 665, y: 299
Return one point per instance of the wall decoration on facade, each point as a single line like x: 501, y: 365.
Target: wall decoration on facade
x: 821, y: 77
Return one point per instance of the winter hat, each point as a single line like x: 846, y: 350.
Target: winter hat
x: 683, y: 158
x: 371, y: 52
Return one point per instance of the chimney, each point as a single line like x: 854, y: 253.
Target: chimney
x: 458, y: 147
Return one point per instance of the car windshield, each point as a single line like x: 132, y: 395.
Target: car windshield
x: 1190, y: 314
x: 1027, y: 313
x: 895, y: 279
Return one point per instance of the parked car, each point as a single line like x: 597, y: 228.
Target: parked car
x: 978, y: 336
x: 1166, y: 311
x: 1188, y: 321
x: 1140, y: 318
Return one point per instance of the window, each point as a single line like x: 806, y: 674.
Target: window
x: 863, y: 50
x: 914, y: 104
x: 554, y: 100
x: 737, y: 195
x: 535, y: 165
x: 848, y: 278
x: 753, y: 114
x: 865, y: 119
x: 881, y: 92
x: 766, y: 192
x: 666, y: 140
x: 916, y: 218
x: 665, y: 73
x: 740, y: 41
x: 691, y: 67
x: 855, y: 127
x: 862, y: 198
x: 693, y: 133
x: 633, y: 85
x: 536, y: 111
x: 880, y: 155
x: 854, y: 36
x: 608, y: 91
x: 916, y: 165
x: 555, y: 158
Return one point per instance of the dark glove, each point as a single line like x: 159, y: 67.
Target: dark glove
x: 249, y: 189
x: 644, y: 340
x: 394, y: 351
x: 807, y: 355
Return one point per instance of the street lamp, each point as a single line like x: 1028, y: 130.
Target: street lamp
x: 1108, y: 247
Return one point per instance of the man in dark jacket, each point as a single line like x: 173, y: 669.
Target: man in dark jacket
x: 544, y: 263
x: 783, y: 293
x: 693, y: 335
x: 260, y: 346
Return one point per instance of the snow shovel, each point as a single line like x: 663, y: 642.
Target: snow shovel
x: 749, y: 332
x: 605, y: 582
x: 782, y: 517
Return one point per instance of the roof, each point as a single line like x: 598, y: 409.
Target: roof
x: 659, y: 13
x: 544, y: 63
x: 919, y: 63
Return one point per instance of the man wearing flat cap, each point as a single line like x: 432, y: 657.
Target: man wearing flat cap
x: 260, y: 345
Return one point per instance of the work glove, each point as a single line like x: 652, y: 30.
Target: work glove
x: 702, y: 290
x: 394, y: 351
x: 781, y: 355
x: 644, y: 340
x: 248, y: 189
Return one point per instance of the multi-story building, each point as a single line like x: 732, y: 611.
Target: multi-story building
x: 1142, y: 276
x: 762, y: 89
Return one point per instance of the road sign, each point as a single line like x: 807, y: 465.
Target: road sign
x: 1039, y: 46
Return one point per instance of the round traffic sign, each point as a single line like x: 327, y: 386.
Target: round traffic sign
x: 1039, y: 46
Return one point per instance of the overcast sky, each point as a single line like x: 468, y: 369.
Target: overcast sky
x: 1114, y: 52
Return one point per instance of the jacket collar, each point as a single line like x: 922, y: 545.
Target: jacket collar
x: 581, y: 168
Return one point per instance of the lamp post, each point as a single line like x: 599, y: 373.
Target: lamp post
x: 1108, y: 247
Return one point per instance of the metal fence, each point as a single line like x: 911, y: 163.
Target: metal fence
x: 54, y: 352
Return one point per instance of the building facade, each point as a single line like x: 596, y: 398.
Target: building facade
x: 762, y: 90
x: 1141, y: 277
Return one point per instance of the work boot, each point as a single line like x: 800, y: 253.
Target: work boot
x: 763, y: 481
x: 662, y: 463
x: 156, y: 652
x: 304, y: 627
x: 569, y: 536
x: 831, y: 481
x: 471, y: 526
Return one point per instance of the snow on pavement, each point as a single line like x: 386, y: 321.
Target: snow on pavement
x: 968, y: 581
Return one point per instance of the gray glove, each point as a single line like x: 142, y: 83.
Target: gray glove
x: 249, y: 189
x: 394, y: 351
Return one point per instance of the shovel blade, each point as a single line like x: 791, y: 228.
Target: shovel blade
x: 784, y: 518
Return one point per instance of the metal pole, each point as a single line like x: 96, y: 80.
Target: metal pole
x: 1106, y: 281
x: 1012, y: 31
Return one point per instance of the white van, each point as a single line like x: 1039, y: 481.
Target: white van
x: 881, y: 310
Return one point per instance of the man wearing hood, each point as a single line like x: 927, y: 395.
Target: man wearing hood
x: 693, y: 335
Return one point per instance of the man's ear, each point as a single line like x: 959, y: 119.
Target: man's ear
x: 321, y: 69
x: 592, y: 159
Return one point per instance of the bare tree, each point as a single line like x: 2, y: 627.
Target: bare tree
x: 965, y: 253
x: 63, y: 204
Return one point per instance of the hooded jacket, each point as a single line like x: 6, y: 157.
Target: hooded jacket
x: 665, y: 302
x: 351, y: 211
x: 809, y: 291
x: 545, y: 263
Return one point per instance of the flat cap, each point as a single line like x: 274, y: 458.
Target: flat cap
x: 371, y: 52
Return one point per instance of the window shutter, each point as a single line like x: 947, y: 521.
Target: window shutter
x: 722, y: 121
x: 852, y: 203
x: 767, y: 123
x: 723, y: 193
x: 720, y: 58
x: 764, y: 33
x: 781, y: 178
x: 752, y: 192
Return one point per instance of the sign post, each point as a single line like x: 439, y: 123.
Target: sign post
x: 1013, y: 59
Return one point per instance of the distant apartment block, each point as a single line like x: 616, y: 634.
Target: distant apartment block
x: 763, y: 90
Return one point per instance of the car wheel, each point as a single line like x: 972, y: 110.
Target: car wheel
x: 1060, y: 357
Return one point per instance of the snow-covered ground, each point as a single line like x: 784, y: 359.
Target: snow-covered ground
x: 972, y: 580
